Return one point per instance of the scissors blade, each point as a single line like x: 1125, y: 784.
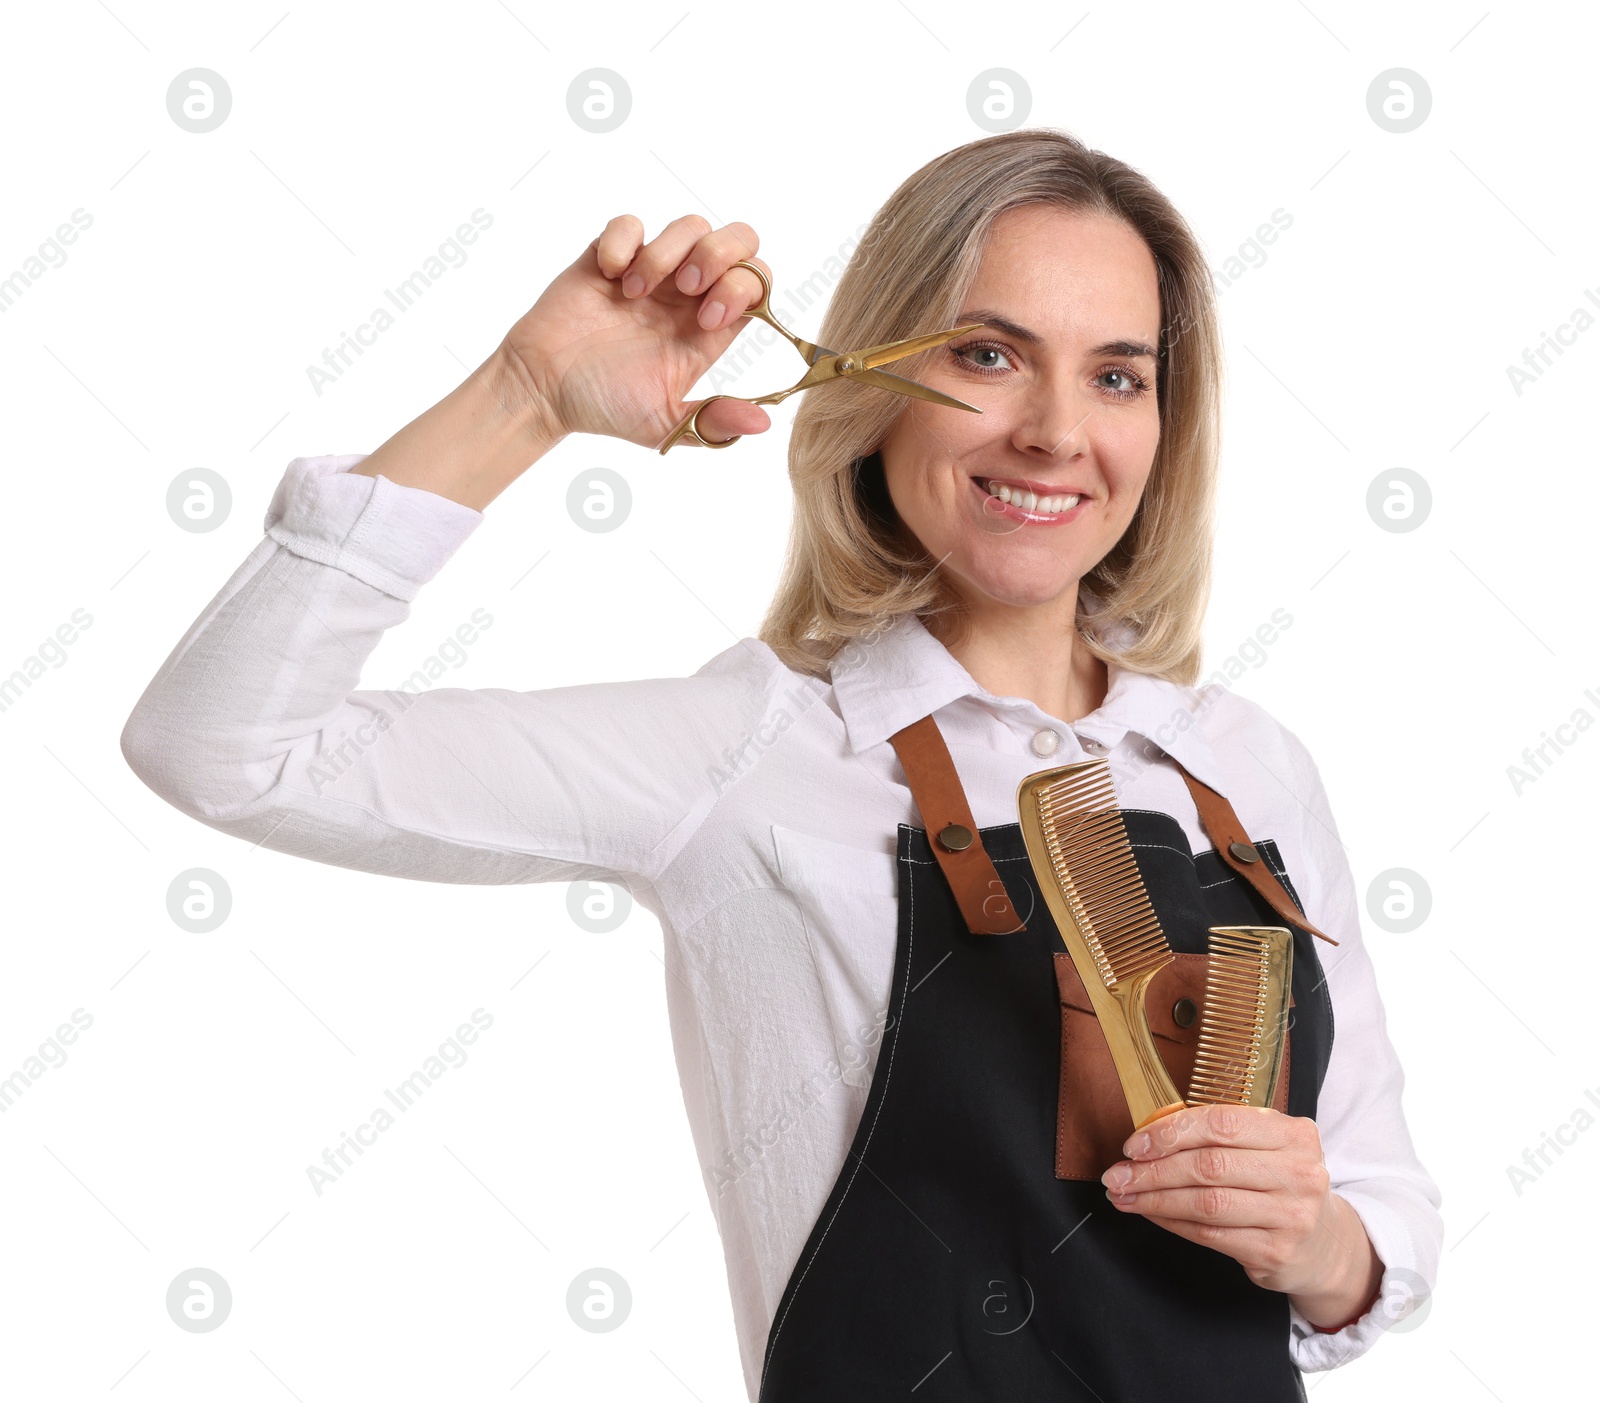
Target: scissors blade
x: 901, y: 386
x: 875, y: 356
x: 825, y: 366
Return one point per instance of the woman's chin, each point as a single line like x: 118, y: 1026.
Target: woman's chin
x: 1011, y: 582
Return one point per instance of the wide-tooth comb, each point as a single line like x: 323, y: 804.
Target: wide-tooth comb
x: 1240, y: 1053
x: 1079, y: 849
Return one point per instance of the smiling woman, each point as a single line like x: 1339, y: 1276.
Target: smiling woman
x: 1052, y: 428
x: 824, y: 818
x: 1098, y: 375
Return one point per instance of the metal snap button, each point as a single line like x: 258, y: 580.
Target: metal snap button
x: 1046, y: 742
x: 1183, y: 1012
x: 955, y: 837
x: 1244, y: 852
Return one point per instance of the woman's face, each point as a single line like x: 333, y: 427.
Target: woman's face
x: 1064, y: 372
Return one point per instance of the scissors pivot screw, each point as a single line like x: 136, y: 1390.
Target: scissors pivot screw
x: 825, y: 365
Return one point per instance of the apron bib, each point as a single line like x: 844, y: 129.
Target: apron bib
x: 963, y: 1251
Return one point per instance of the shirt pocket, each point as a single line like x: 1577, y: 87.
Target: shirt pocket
x: 849, y: 899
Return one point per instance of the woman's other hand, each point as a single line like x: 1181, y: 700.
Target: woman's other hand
x: 1250, y: 1182
x: 624, y: 332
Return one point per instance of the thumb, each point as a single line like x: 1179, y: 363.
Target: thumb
x: 729, y: 418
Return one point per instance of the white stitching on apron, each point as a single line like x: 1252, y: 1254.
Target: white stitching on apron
x: 911, y: 924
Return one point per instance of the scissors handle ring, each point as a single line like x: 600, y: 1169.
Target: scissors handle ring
x: 689, y: 430
x: 762, y: 308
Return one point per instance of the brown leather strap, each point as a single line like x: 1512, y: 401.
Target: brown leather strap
x: 942, y: 802
x: 1235, y: 848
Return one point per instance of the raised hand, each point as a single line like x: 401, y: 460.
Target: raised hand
x: 623, y: 333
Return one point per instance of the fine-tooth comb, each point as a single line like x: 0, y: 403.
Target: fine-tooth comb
x: 1085, y: 867
x: 1240, y: 1053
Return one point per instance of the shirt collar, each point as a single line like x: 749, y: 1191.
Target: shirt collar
x: 884, y: 682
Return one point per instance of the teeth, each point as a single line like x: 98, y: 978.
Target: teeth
x: 1028, y: 501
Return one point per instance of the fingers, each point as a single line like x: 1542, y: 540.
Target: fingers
x: 1210, y: 1165
x: 694, y: 256
x: 713, y: 254
x: 1214, y: 1204
x: 1253, y: 1127
x: 1248, y: 1246
x: 734, y: 292
x: 661, y: 256
x: 707, y: 271
x: 618, y: 242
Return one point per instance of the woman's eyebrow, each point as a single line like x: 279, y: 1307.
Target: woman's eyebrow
x: 999, y: 323
x: 1124, y: 348
x: 1021, y: 333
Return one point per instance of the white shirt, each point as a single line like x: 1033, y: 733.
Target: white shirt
x: 753, y: 810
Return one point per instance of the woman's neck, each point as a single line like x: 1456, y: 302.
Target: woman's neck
x: 1033, y: 653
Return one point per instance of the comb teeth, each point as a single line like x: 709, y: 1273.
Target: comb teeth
x: 1233, y: 1028
x: 1094, y: 866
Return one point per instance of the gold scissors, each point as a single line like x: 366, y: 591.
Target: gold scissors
x: 826, y: 365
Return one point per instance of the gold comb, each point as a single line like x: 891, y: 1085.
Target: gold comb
x: 1240, y: 1053
x: 1085, y: 867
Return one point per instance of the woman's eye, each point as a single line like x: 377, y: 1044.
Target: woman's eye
x: 1131, y: 384
x: 984, y: 355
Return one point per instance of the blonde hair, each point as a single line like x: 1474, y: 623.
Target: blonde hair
x: 851, y: 566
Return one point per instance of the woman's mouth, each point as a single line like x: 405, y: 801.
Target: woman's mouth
x: 1015, y: 502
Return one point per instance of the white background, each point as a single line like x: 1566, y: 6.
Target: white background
x: 1376, y: 335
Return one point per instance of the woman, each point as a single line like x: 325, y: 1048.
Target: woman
x: 876, y: 1085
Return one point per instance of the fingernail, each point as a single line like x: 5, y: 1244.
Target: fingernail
x: 711, y: 314
x: 690, y: 279
x: 1117, y: 1177
x: 1139, y: 1145
x: 632, y: 285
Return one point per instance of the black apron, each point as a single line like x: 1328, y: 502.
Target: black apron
x: 949, y: 1262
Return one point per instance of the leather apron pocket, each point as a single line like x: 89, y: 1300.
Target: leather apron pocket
x: 1092, y: 1119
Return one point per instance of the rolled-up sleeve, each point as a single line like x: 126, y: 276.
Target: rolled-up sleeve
x: 1366, y: 1144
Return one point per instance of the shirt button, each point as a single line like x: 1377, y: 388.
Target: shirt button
x: 1093, y: 746
x: 1046, y: 742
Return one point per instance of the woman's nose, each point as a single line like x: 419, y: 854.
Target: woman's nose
x: 1056, y: 422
